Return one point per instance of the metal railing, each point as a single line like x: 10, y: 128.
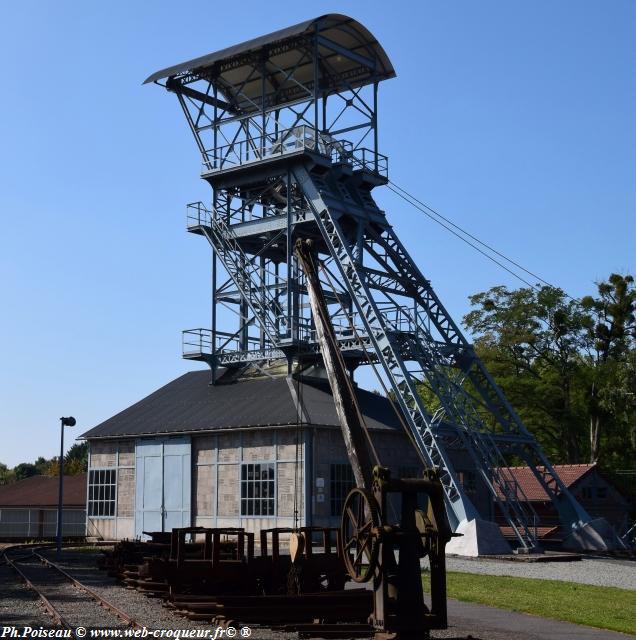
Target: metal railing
x: 289, y: 141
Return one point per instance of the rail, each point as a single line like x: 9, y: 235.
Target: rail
x: 51, y: 609
x: 122, y: 615
x: 295, y: 140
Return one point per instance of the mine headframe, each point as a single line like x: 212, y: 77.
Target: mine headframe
x: 286, y: 125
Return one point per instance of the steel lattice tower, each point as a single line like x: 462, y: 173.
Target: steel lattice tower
x: 287, y: 128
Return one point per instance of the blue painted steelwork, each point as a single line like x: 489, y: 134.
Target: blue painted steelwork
x: 270, y: 119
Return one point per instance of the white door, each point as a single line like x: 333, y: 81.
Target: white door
x: 163, y: 484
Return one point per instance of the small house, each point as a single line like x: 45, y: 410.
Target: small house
x: 28, y: 508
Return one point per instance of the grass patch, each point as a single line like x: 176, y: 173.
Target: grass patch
x: 602, y: 607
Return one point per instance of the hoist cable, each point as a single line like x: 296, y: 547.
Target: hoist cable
x: 457, y: 231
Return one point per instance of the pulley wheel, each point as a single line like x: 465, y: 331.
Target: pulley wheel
x: 360, y: 544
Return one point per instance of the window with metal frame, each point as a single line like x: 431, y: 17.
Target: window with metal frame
x: 258, y: 489
x: 102, y: 493
x: 341, y: 482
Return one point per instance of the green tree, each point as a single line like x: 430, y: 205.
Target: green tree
x: 76, y: 458
x: 6, y: 475
x: 567, y: 366
x: 611, y: 332
x: 25, y: 470
x: 530, y: 341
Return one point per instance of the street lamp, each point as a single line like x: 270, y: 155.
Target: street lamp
x: 64, y: 422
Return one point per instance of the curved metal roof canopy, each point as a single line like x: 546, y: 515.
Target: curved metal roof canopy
x: 348, y: 56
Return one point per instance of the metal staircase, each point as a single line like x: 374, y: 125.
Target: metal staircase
x: 270, y: 118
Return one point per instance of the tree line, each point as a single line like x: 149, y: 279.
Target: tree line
x: 75, y: 462
x: 568, y: 366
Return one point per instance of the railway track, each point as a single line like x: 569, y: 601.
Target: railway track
x: 68, y: 602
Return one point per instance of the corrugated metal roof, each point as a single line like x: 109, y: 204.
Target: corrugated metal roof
x: 570, y: 474
x: 190, y: 403
x: 229, y: 68
x: 41, y: 491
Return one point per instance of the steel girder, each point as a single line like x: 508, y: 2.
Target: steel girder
x: 465, y: 410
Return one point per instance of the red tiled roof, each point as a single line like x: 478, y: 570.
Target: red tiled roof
x: 570, y: 474
x: 542, y: 532
x: 42, y: 491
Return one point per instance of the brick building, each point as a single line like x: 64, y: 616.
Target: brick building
x: 246, y: 454
x: 594, y: 491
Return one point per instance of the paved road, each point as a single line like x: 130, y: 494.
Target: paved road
x: 479, y: 622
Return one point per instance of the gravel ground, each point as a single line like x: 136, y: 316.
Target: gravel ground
x: 19, y: 606
x: 602, y: 572
x: 18, y: 602
x: 76, y: 606
x: 148, y: 612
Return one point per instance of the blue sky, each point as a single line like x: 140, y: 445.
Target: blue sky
x: 516, y: 120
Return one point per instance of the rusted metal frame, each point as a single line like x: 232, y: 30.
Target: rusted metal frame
x: 58, y: 618
x: 351, y: 421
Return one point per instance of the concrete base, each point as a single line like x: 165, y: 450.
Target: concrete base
x: 596, y: 535
x: 479, y: 538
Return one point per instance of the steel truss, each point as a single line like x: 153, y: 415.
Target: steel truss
x: 280, y: 169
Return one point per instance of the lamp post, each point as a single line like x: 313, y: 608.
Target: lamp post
x: 64, y: 422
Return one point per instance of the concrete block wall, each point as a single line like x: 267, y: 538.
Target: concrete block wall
x: 120, y: 455
x: 394, y: 450
x: 216, y: 486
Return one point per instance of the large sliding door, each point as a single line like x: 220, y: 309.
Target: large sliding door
x: 163, y: 484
